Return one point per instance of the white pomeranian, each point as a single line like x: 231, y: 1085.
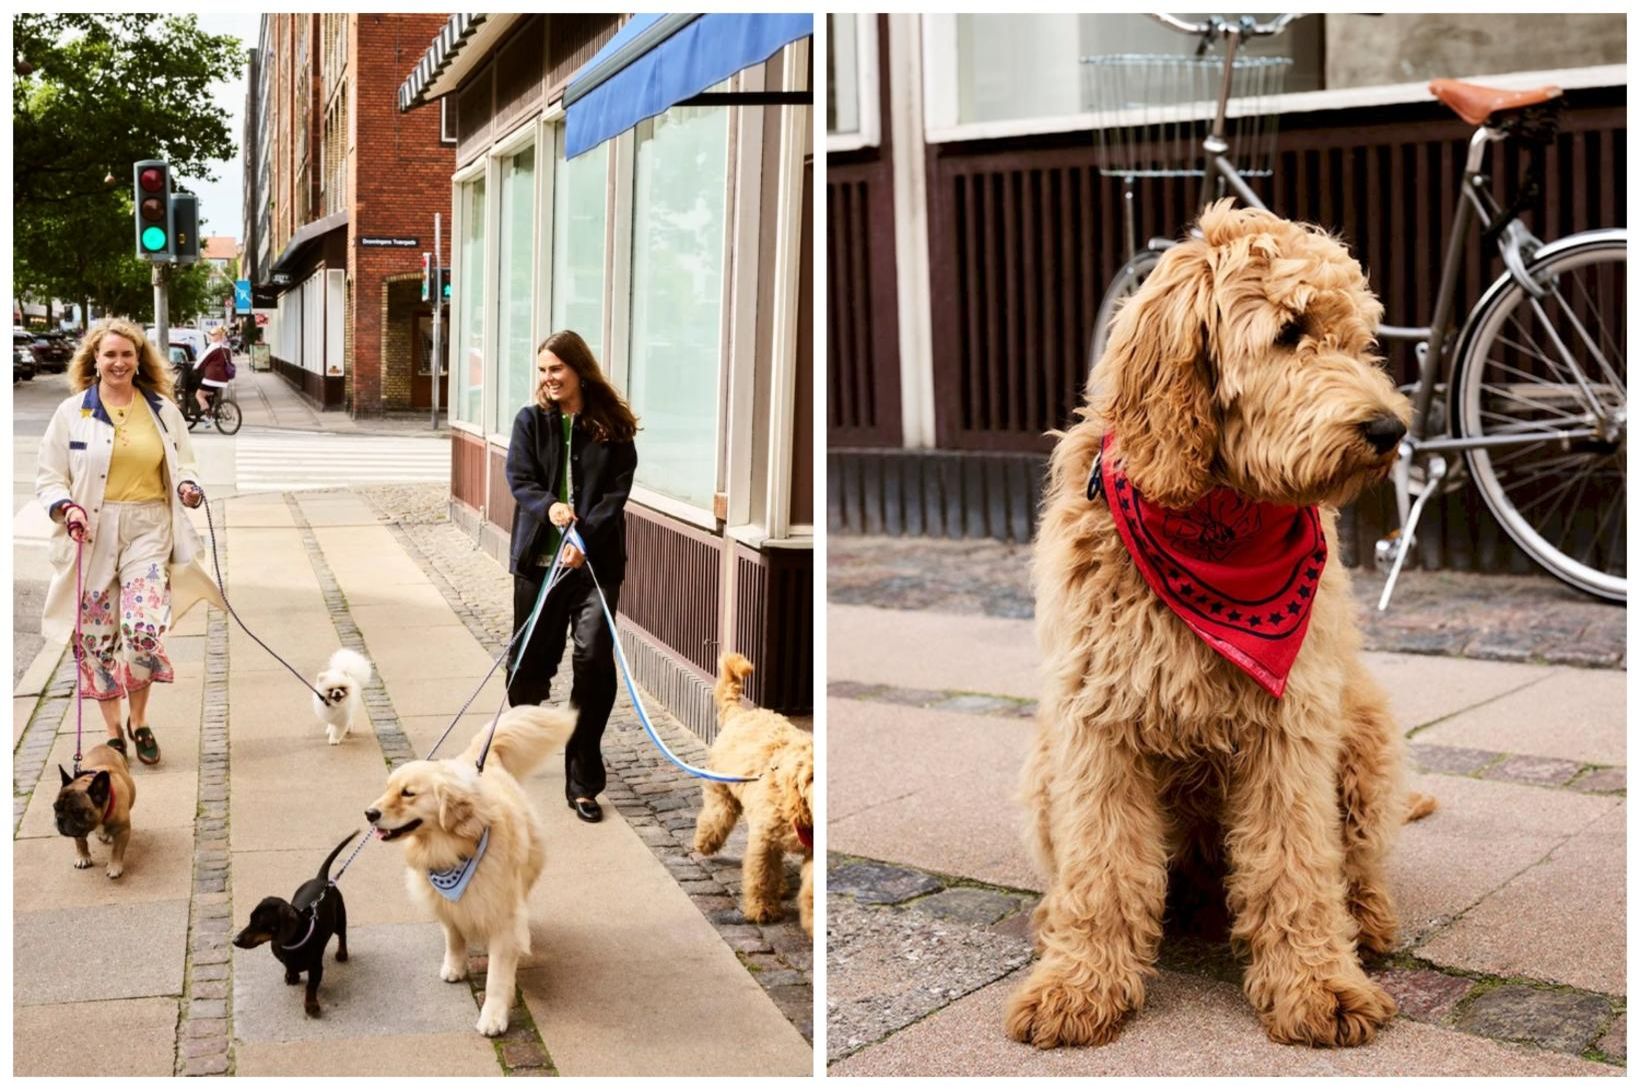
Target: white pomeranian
x: 343, y: 683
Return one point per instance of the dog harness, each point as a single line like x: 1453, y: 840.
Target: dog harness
x: 1240, y: 573
x: 452, y: 883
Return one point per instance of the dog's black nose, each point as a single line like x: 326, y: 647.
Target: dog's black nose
x: 372, y: 814
x: 1383, y: 431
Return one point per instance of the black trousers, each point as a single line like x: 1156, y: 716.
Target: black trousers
x: 571, y: 611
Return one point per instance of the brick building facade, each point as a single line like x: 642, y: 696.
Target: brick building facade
x: 353, y: 188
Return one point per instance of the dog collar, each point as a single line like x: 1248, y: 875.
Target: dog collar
x: 452, y: 883
x: 1241, y: 573
x: 108, y: 807
x: 313, y: 921
x: 805, y: 833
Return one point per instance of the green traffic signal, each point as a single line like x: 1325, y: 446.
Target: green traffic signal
x: 153, y: 239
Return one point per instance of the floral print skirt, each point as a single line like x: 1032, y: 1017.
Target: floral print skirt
x: 123, y: 624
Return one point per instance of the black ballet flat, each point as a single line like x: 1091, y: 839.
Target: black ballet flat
x: 587, y: 810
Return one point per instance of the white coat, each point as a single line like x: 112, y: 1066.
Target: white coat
x: 74, y: 458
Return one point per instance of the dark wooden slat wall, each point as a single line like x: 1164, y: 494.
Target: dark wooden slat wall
x: 774, y: 626
x: 672, y: 583
x: 467, y: 468
x: 862, y: 308
x: 1024, y: 235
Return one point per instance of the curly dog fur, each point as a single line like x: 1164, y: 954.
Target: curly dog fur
x: 761, y: 743
x: 1153, y: 753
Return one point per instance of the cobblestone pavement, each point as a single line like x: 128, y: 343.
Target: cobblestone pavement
x: 964, y: 935
x: 655, y: 798
x: 1513, y: 618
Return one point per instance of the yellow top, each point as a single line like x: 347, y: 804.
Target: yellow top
x: 136, y: 473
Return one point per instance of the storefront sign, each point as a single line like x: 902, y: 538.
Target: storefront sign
x: 389, y: 243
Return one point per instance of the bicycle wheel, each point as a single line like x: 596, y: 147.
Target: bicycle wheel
x: 1124, y: 284
x: 1553, y: 366
x: 227, y: 415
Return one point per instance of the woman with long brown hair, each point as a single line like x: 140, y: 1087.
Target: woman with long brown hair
x: 571, y: 460
x: 115, y: 463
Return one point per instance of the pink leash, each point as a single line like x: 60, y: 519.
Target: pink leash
x: 79, y: 645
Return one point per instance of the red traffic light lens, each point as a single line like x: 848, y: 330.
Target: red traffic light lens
x: 153, y: 210
x: 152, y: 180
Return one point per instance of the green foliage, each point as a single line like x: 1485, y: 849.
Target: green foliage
x: 103, y: 91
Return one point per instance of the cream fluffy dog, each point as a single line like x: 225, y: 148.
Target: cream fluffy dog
x: 1246, y: 360
x: 440, y: 811
x: 779, y: 804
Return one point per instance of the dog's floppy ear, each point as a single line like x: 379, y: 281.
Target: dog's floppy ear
x: 456, y: 813
x: 1156, y: 379
x: 100, y: 786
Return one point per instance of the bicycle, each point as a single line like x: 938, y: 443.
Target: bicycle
x: 1538, y: 421
x: 223, y: 411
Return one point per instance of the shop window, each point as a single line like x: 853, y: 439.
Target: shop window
x: 469, y: 375
x: 514, y: 290
x: 579, y: 193
x: 680, y: 177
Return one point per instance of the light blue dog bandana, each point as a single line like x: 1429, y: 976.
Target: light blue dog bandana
x: 452, y: 883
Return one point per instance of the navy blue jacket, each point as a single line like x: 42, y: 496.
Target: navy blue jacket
x: 602, y: 473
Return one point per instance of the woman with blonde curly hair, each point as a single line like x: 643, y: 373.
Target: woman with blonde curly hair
x: 571, y: 460
x: 115, y: 458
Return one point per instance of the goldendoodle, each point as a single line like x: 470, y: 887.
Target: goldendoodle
x: 1205, y: 707
x: 779, y: 804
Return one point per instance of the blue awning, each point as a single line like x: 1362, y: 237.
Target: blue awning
x: 657, y: 61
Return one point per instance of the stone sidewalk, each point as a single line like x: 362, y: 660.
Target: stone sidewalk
x: 1512, y: 895
x: 628, y: 975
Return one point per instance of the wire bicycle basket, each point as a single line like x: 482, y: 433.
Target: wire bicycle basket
x: 1152, y: 112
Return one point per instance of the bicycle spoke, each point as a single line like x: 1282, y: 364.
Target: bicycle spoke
x: 1594, y: 349
x: 1606, y: 339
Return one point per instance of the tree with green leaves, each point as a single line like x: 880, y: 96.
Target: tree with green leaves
x: 93, y: 94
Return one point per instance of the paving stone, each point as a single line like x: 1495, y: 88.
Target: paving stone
x: 523, y: 1054
x: 207, y: 1065
x: 1603, y: 781
x: 1615, y: 1042
x: 968, y: 905
x: 1565, y: 1021
x: 879, y: 883
x: 1540, y: 771
x: 125, y: 1037
x: 888, y: 968
x: 1451, y: 759
x: 1424, y: 994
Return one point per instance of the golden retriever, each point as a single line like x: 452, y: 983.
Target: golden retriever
x: 440, y: 810
x: 779, y: 804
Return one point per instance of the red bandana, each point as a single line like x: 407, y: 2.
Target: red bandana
x: 1241, y: 573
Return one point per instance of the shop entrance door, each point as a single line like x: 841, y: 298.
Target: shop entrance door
x: 421, y: 349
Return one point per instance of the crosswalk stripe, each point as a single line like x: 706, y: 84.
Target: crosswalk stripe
x: 286, y: 462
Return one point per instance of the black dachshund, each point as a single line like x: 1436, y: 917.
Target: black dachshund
x: 300, y: 928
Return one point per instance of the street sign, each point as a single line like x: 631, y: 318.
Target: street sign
x: 242, y: 296
x: 388, y: 242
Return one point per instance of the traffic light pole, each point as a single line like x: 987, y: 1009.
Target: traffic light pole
x: 438, y: 308
x: 162, y: 311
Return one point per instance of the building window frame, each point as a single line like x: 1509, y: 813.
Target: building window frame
x: 459, y: 180
x: 513, y: 143
x: 942, y: 77
x: 446, y: 122
x: 865, y: 83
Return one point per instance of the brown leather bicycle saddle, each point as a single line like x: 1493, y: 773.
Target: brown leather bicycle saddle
x: 1475, y: 103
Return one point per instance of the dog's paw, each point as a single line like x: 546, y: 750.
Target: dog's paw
x: 1375, y: 915
x: 115, y: 870
x: 761, y: 912
x: 293, y: 978
x: 81, y: 862
x: 451, y: 972
x: 492, y: 1022
x: 333, y: 738
x: 1047, y: 1012
x: 105, y: 836
x: 1340, y: 1012
x: 312, y: 1009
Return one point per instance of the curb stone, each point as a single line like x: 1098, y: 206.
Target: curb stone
x: 204, y: 1028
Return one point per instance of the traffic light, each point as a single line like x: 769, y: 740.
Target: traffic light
x: 185, y: 224
x: 444, y: 284
x: 151, y: 183
x: 426, y: 276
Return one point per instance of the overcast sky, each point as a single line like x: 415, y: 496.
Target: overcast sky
x: 221, y: 201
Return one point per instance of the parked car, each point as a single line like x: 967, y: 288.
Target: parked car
x: 22, y: 358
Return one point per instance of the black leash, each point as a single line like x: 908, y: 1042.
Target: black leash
x: 222, y: 587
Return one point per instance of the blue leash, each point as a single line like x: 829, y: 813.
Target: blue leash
x: 632, y: 688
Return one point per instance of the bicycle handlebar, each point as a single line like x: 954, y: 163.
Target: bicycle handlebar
x: 1216, y: 26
